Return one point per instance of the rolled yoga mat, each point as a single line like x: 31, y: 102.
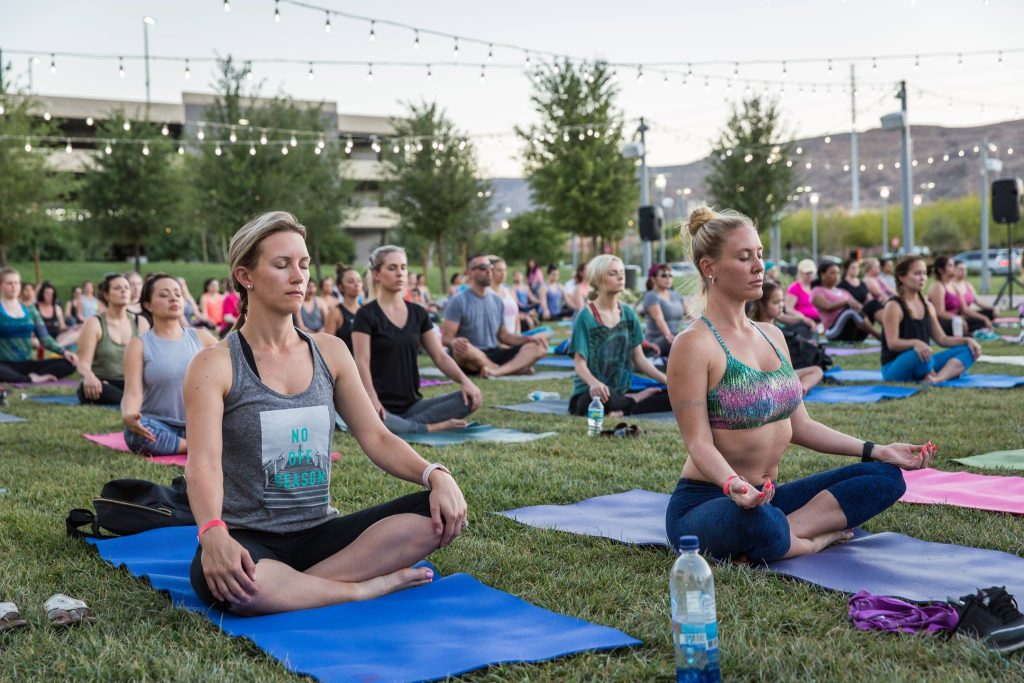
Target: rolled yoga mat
x: 453, y: 625
x: 115, y: 441
x: 964, y: 489
x: 1010, y: 460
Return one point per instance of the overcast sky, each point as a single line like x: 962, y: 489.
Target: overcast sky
x: 683, y: 118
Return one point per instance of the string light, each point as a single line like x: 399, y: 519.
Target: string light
x: 201, y: 134
x: 47, y: 116
x: 830, y: 67
x: 310, y: 74
x: 67, y: 147
x: 483, y: 76
x: 108, y: 150
x: 284, y: 150
x: 120, y: 67
x: 917, y: 62
x: 784, y: 70
x: 293, y: 142
x: 640, y: 74
x: 252, y: 150
x: 53, y: 63
x: 277, y: 12
x: 373, y: 32
x: 490, y: 53
x: 227, y: 5
x: 164, y: 130
x: 188, y: 70
x: 369, y: 72
x: 959, y: 60
x: 181, y: 150
x: 327, y: 22
x: 127, y: 125
x: 416, y: 39
x: 999, y: 62
x: 317, y: 151
x: 263, y: 137
x: 232, y: 137
x: 145, y: 149
x: 28, y: 146
x: 455, y: 49
x: 430, y: 74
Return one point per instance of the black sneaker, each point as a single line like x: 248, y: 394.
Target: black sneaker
x: 992, y: 617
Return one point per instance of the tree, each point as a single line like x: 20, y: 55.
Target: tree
x: 131, y: 190
x: 751, y: 170
x: 433, y: 182
x: 266, y: 166
x: 529, y: 235
x: 26, y: 186
x: 573, y: 161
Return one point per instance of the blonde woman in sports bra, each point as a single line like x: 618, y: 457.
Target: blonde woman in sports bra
x: 738, y: 404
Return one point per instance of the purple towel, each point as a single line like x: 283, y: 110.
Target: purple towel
x: 871, y: 612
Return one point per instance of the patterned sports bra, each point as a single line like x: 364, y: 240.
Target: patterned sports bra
x: 746, y: 397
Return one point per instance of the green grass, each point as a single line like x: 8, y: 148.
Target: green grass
x: 772, y: 629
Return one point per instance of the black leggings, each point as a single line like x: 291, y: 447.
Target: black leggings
x: 18, y: 370
x: 658, y: 403
x: 110, y: 395
x: 300, y: 550
x: 973, y: 324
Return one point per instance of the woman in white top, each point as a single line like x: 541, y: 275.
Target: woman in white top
x: 510, y: 308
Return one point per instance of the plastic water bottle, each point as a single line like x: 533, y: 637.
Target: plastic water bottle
x: 694, y: 624
x: 958, y: 326
x: 543, y: 396
x: 595, y: 417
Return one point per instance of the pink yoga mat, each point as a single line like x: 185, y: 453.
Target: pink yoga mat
x: 964, y: 489
x: 434, y: 382
x: 115, y: 440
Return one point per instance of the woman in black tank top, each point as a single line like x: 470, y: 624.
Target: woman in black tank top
x: 908, y: 323
x: 258, y: 476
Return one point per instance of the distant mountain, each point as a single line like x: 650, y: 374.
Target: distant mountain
x: 957, y: 177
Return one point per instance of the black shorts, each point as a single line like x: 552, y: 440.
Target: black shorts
x: 501, y: 355
x: 300, y: 550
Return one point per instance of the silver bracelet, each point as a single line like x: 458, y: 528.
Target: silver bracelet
x: 429, y: 469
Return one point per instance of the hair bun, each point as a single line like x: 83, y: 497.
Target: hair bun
x: 698, y: 217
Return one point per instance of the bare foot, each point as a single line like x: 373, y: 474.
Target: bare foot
x: 528, y: 370
x: 930, y: 378
x: 40, y: 379
x: 644, y: 393
x: 396, y: 581
x: 823, y: 541
x: 447, y: 424
x: 487, y: 371
x: 614, y: 413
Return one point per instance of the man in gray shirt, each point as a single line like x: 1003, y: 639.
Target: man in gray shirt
x: 473, y: 329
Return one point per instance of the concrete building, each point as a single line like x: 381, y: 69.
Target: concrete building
x: 368, y: 225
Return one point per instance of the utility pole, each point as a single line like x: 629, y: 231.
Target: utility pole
x: 854, y: 164
x: 907, y: 175
x: 645, y: 195
x: 146, y: 23
x: 986, y: 166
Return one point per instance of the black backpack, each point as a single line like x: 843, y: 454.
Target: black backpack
x: 805, y: 352
x: 130, y: 506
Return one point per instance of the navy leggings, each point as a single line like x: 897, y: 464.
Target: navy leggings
x: 726, y: 530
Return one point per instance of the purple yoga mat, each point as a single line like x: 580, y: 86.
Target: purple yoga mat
x: 635, y: 517
x: 905, y: 567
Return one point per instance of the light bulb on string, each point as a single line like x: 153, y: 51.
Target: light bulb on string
x: 917, y: 62
x: 419, y: 146
x: 248, y: 70
x: 181, y: 150
x: 67, y: 147
x: 108, y: 150
x: 664, y: 80
x: 828, y: 139
x: 127, y: 125
x: 232, y: 136
x: 53, y: 63
x: 945, y: 157
x: 490, y: 53
x: 120, y: 67
x: 47, y: 116
x: 145, y: 149
x: 483, y: 76
x: 430, y: 73
x: 201, y: 134
x: 874, y: 64
x: 321, y: 143
x: 735, y: 69
x: 369, y: 72
x: 263, y: 137
x: 293, y: 142
x: 164, y: 130
x: 785, y: 71
x: 707, y: 86
x: 999, y: 61
x: 310, y: 74
x: 317, y: 151
x: 28, y: 145
x: 455, y: 48
x: 527, y: 60
x: 327, y: 22
x: 396, y: 149
x: 277, y: 12
x: 640, y: 73
x: 373, y: 31
x: 416, y: 39
x: 830, y: 67
x: 227, y: 5
x: 188, y: 70
x: 217, y: 150
x: 284, y: 150
x: 959, y: 60
x: 252, y: 149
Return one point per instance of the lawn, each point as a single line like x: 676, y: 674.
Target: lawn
x: 772, y: 629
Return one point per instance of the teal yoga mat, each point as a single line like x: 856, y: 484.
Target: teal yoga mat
x: 1008, y: 460
x: 4, y: 417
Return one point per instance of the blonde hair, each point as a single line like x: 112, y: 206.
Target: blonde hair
x: 596, y: 270
x: 244, y: 250
x: 708, y: 231
x: 376, y: 262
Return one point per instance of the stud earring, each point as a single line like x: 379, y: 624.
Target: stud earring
x: 250, y: 286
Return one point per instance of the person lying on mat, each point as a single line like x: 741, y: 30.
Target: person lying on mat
x: 102, y: 343
x: 18, y: 325
x: 909, y: 322
x: 260, y: 409
x: 153, y: 407
x: 738, y: 404
x: 473, y: 328
x: 386, y: 337
x: 606, y: 346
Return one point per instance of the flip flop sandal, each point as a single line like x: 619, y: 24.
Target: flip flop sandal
x: 63, y: 611
x: 10, y: 618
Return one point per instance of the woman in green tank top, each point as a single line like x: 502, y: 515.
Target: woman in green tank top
x: 102, y: 343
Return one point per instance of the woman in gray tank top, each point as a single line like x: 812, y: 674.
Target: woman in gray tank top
x: 152, y: 409
x: 260, y: 408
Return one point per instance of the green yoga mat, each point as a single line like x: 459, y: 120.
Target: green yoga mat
x: 1009, y: 460
x: 472, y: 432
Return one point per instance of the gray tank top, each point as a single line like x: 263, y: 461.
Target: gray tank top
x: 276, y: 453
x: 164, y: 362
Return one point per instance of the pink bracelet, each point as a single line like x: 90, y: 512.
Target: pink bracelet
x: 209, y: 525
x: 428, y: 470
x: 725, y: 486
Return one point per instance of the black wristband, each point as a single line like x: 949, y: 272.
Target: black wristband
x: 865, y: 454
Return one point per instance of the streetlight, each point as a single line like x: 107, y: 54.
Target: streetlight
x: 814, y: 226
x: 147, y: 21
x: 884, y: 194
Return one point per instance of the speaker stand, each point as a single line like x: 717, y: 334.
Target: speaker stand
x: 1007, y: 287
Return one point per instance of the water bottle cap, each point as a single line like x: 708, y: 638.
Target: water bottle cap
x: 688, y: 543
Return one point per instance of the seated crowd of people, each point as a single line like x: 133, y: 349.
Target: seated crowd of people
x: 266, y: 360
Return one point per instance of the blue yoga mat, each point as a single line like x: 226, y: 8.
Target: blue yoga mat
x: 635, y: 517
x: 640, y: 382
x: 906, y: 567
x: 67, y: 400
x: 840, y: 375
x: 971, y: 380
x: 555, y: 362
x: 475, y: 432
x: 857, y: 393
x: 561, y: 407
x: 543, y: 329
x: 4, y: 417
x: 453, y: 625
